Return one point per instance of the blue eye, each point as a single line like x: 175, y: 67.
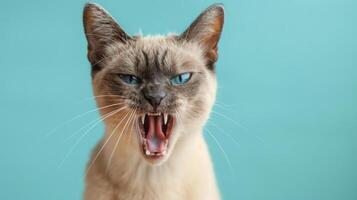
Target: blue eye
x: 181, y: 78
x: 129, y: 79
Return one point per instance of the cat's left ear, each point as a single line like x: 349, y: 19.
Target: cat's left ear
x: 100, y: 29
x: 206, y: 30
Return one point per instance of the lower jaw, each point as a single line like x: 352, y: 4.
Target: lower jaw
x: 154, y: 157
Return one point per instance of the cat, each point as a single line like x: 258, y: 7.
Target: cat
x: 154, y: 94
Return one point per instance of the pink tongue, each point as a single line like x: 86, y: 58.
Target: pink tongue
x: 155, y: 138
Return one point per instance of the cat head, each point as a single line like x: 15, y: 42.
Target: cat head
x: 156, y: 89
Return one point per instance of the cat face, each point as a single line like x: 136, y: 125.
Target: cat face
x: 154, y: 88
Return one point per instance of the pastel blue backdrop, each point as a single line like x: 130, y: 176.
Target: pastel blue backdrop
x: 286, y: 114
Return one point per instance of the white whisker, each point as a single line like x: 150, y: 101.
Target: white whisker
x: 105, y: 143
x: 226, y: 133
x: 103, y: 96
x: 236, y: 123
x: 228, y: 118
x: 179, y: 120
x: 226, y: 108
x: 117, y: 142
x: 221, y: 148
x: 85, y: 133
x: 77, y: 117
x: 132, y: 126
x: 90, y: 123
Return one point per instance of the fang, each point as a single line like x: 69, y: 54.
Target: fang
x: 165, y: 118
x: 143, y: 119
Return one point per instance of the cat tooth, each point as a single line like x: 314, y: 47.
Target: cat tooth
x: 147, y: 152
x: 154, y: 114
x: 143, y: 119
x: 165, y: 118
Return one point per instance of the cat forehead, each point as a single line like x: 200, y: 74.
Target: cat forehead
x: 161, y: 42
x: 166, y: 48
x: 155, y: 44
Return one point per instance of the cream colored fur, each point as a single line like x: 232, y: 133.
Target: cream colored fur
x: 117, y: 169
x: 186, y: 174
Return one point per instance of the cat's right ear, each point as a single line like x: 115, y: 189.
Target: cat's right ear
x: 100, y: 30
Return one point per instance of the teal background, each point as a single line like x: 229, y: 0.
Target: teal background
x: 287, y: 82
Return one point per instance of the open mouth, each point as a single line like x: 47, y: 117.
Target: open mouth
x: 155, y: 132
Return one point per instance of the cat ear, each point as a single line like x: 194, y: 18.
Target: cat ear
x: 206, y: 30
x: 100, y: 30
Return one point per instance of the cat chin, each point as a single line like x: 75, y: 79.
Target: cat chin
x: 156, y: 160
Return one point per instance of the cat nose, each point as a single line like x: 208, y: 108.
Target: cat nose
x: 154, y: 97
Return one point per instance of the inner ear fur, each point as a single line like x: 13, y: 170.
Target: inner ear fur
x: 206, y: 30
